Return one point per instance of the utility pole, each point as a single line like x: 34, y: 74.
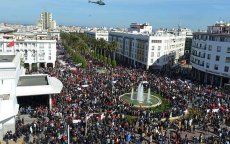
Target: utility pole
x: 86, y: 126
x: 68, y: 135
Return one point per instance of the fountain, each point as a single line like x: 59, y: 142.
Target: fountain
x: 140, y: 98
x: 140, y: 94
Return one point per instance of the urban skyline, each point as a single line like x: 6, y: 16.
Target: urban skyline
x: 193, y: 14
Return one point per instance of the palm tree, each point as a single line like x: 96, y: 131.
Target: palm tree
x: 113, y: 47
x: 102, y: 45
x: 82, y: 46
x: 65, y: 37
x: 93, y: 44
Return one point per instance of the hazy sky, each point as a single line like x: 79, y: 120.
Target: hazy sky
x: 194, y: 14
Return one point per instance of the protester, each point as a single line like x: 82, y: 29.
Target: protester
x: 89, y: 105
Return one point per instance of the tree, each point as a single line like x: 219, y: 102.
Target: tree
x: 102, y: 45
x: 65, y: 37
x: 109, y: 61
x: 94, y: 44
x: 105, y: 59
x: 75, y: 44
x: 113, y: 46
x: 82, y: 46
x: 114, y: 63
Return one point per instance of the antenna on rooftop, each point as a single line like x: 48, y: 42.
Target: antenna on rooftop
x: 179, y: 28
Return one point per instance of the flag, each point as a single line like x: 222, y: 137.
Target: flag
x: 10, y: 44
x: 102, y: 116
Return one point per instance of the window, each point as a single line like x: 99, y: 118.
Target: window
x: 217, y: 58
x: 152, y: 54
x: 159, y: 47
x: 216, y: 67
x: 228, y: 50
x: 226, y: 68
x: 49, y: 57
x: 207, y: 65
x: 205, y: 46
x: 41, y: 45
x: 218, y: 49
x: 222, y: 39
x: 151, y: 60
x: 210, y: 47
x: 211, y: 38
x: 152, y: 47
x: 156, y: 41
x: 209, y: 56
x: 227, y: 60
x: 158, y: 54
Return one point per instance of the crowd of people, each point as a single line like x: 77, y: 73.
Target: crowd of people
x: 89, y: 109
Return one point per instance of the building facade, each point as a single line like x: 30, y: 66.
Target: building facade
x: 188, y: 44
x: 147, y: 49
x: 98, y: 34
x: 210, y: 54
x: 37, y: 50
x: 14, y: 83
x: 46, y: 21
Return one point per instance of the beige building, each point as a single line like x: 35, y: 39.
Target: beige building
x: 46, y: 21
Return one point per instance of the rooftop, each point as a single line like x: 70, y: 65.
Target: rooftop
x: 7, y: 58
x: 33, y: 80
x: 213, y: 34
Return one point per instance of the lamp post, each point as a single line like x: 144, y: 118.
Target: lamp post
x: 86, y: 119
x: 68, y: 134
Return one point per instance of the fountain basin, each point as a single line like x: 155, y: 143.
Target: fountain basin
x: 154, y: 100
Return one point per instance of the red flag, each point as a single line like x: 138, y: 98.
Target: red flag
x: 10, y: 44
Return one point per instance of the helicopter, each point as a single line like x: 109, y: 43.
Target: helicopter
x: 99, y: 2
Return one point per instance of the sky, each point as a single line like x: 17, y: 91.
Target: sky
x: 193, y: 14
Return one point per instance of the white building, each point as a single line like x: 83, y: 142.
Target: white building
x: 46, y: 21
x: 98, y: 34
x: 142, y: 28
x: 36, y: 49
x: 210, y: 54
x: 14, y: 83
x: 143, y: 48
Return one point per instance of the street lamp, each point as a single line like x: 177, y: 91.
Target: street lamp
x: 74, y: 122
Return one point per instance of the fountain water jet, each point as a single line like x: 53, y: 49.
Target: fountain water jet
x: 140, y: 93
x: 148, y: 96
x: 131, y: 96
